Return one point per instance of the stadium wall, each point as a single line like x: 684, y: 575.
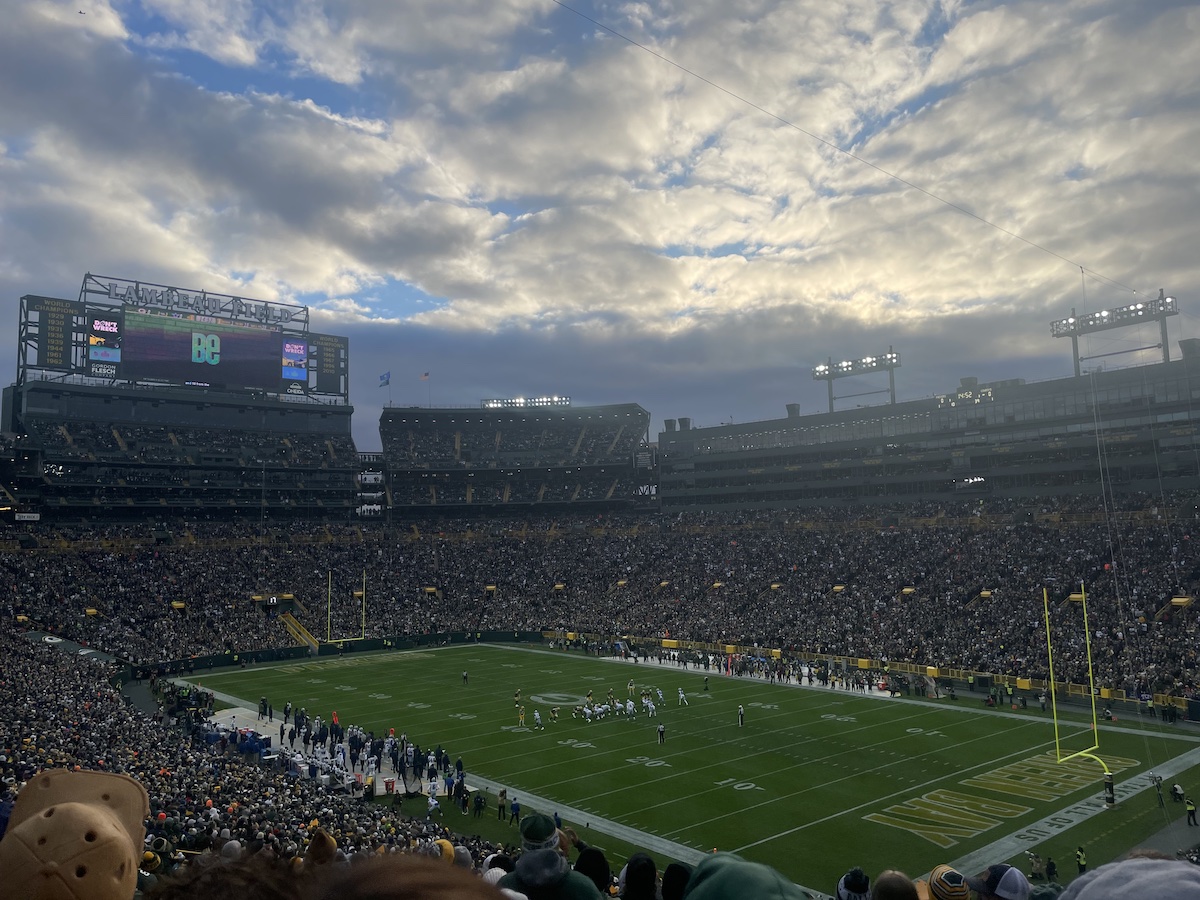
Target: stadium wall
x: 1129, y: 430
x: 166, y: 406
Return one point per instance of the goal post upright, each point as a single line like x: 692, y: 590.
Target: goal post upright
x: 1089, y: 752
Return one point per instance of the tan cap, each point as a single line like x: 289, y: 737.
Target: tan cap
x: 74, y: 836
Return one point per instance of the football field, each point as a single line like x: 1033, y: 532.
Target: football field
x: 815, y: 781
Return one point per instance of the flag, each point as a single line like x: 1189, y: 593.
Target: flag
x: 425, y: 377
x: 385, y: 379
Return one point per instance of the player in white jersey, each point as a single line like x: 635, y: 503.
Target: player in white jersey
x: 537, y: 719
x: 651, y: 710
x: 629, y: 708
x: 659, y: 692
x: 682, y: 698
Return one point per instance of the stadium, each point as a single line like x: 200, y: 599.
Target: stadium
x: 958, y: 630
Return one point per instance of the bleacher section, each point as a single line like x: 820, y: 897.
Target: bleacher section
x: 95, y: 450
x: 457, y: 458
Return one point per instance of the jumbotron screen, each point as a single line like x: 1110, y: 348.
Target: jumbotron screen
x: 189, y: 351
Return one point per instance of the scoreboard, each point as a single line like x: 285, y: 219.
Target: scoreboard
x: 58, y: 318
x: 155, y: 334
x: 330, y: 354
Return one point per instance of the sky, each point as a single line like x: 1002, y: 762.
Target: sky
x: 685, y: 204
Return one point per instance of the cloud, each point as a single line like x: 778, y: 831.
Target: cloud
x: 481, y: 175
x: 228, y: 31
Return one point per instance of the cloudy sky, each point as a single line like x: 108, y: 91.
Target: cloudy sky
x: 618, y: 201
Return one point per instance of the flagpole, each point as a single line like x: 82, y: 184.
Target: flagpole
x: 364, y: 605
x: 329, y: 608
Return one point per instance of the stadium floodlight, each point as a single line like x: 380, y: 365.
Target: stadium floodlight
x: 1156, y: 310
x: 880, y: 362
x: 525, y: 402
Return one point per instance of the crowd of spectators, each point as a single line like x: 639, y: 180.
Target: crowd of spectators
x: 524, y: 487
x: 100, y: 441
x: 497, y: 440
x: 101, y: 464
x: 958, y: 587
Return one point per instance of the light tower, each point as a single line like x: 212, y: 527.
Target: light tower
x: 829, y: 371
x: 1133, y: 314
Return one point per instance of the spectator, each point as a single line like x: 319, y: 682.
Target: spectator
x: 542, y: 870
x: 1000, y: 881
x: 1136, y: 878
x: 725, y: 876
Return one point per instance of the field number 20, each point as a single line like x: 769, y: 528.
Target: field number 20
x: 834, y: 718
x: 647, y: 761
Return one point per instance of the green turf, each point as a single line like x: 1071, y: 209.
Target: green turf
x: 817, y: 780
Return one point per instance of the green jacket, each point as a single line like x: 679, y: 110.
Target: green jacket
x: 546, y: 875
x: 725, y: 876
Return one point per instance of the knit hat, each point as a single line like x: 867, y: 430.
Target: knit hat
x: 854, y: 885
x: 725, y: 876
x: 594, y: 865
x: 1136, y: 878
x: 499, y: 861
x: 641, y: 876
x: 321, y: 848
x: 430, y: 849
x: 1003, y: 881
x: 945, y: 883
x: 538, y: 832
x: 674, y: 880
x: 231, y: 850
x: 445, y: 848
x: 462, y: 857
x: 75, y: 834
